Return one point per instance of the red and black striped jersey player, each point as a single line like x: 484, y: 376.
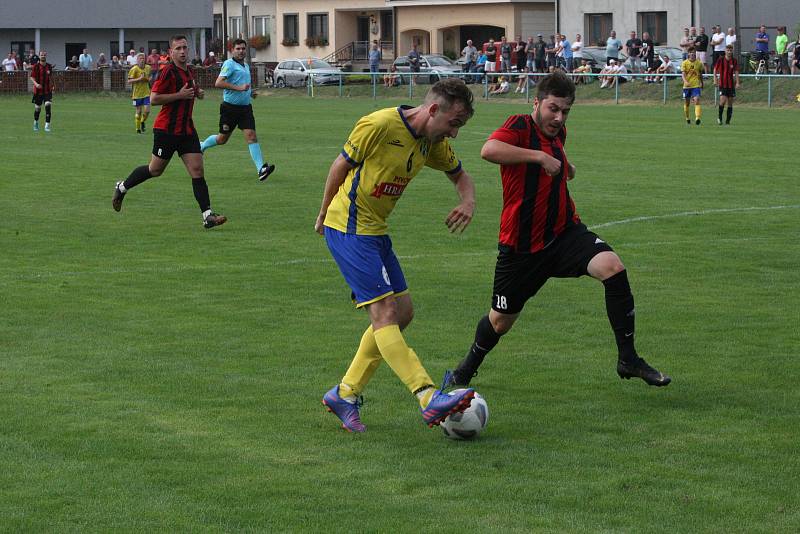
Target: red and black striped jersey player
x: 541, y: 235
x: 173, y: 131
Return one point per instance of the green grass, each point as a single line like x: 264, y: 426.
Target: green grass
x: 155, y: 376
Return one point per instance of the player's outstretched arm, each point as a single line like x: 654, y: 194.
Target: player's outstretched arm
x: 502, y: 153
x: 459, y: 217
x: 336, y: 176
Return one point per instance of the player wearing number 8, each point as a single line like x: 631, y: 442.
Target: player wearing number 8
x: 383, y: 153
x: 541, y: 235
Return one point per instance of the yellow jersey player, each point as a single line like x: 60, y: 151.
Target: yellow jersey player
x: 692, y: 70
x: 139, y: 78
x: 383, y: 153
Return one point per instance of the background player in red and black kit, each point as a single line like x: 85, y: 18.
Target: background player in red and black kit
x: 42, y: 90
x: 726, y: 77
x: 541, y: 235
x: 173, y: 131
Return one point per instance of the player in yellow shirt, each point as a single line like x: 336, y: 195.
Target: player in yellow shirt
x: 692, y: 70
x: 383, y: 153
x: 139, y: 78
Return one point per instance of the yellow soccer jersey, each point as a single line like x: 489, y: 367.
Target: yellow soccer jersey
x: 387, y: 154
x: 140, y: 89
x: 693, y: 71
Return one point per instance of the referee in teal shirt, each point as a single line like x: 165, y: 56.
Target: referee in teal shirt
x: 236, y: 109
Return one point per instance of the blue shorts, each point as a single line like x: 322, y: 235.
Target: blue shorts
x: 368, y: 265
x: 691, y: 93
x: 141, y: 101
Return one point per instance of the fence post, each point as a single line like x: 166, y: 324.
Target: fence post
x: 374, y: 86
x: 341, y: 78
x: 616, y: 89
x: 664, y: 101
x: 410, y: 85
x: 769, y: 90
x: 485, y: 86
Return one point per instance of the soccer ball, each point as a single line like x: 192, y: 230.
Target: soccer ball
x: 470, y: 422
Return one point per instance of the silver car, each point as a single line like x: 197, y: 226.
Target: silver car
x: 436, y: 66
x: 296, y: 72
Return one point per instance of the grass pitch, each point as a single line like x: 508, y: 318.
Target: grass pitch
x: 155, y: 376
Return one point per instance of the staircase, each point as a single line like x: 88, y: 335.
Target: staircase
x: 356, y: 53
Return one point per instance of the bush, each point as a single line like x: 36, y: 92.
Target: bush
x: 316, y: 41
x: 289, y: 42
x: 259, y: 42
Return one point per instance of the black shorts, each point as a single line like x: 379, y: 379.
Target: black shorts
x: 231, y: 116
x: 518, y: 277
x: 165, y: 144
x: 41, y: 99
x: 724, y: 91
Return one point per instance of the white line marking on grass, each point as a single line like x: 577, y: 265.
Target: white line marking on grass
x: 691, y: 214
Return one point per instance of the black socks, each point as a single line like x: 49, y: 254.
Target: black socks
x: 201, y: 193
x: 139, y: 175
x: 621, y: 313
x: 485, y: 340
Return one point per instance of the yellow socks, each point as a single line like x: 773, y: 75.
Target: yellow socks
x: 363, y: 366
x: 403, y: 361
x: 137, y: 120
x: 698, y: 112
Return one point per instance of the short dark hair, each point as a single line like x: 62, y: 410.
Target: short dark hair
x: 556, y: 84
x: 451, y: 91
x: 239, y: 41
x: 177, y: 38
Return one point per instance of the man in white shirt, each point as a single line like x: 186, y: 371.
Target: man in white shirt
x: 131, y: 59
x: 730, y: 39
x: 9, y: 63
x: 718, y: 42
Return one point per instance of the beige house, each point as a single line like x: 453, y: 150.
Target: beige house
x: 343, y: 31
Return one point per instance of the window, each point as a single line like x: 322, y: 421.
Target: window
x: 654, y: 23
x: 22, y: 48
x: 318, y: 26
x: 597, y: 28
x: 261, y: 26
x: 291, y: 31
x: 115, y: 51
x: 160, y: 46
x: 217, y: 31
x: 235, y: 27
x: 387, y: 26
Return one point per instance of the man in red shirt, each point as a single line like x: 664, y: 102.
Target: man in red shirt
x: 41, y: 75
x: 541, y: 235
x: 726, y: 77
x: 173, y: 131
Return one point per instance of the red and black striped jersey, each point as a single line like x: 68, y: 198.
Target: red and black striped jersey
x: 175, y: 117
x: 42, y: 75
x: 537, y: 207
x: 725, y: 68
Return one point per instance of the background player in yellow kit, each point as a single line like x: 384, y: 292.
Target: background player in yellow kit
x: 383, y: 153
x: 139, y: 78
x: 692, y: 70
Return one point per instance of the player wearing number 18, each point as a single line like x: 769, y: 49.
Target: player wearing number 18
x: 383, y: 153
x: 541, y: 235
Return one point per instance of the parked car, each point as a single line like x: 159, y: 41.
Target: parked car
x: 436, y: 66
x: 675, y: 56
x: 597, y: 57
x: 296, y: 72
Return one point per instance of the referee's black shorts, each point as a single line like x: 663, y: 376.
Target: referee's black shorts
x: 232, y: 116
x: 166, y: 144
x: 519, y: 276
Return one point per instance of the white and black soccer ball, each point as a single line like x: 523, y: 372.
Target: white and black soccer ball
x: 470, y: 422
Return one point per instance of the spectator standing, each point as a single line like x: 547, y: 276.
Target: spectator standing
x: 633, y: 47
x: 491, y: 57
x: 152, y: 60
x: 85, y: 61
x: 550, y: 52
x: 530, y: 55
x: 540, y: 54
x: 648, y: 52
x: 577, y: 50
x: 796, y: 58
x: 781, y: 42
x: 470, y: 54
x: 613, y: 46
x: 414, y: 60
x: 374, y: 57
x: 686, y: 42
x: 762, y: 44
x: 701, y: 45
x: 566, y: 48
x: 131, y: 59
x: 73, y: 64
x: 718, y: 44
x: 115, y: 63
x: 520, y: 55
x: 42, y: 90
x: 9, y: 63
x: 730, y: 38
x: 505, y: 54
x: 102, y: 62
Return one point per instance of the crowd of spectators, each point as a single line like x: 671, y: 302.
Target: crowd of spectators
x: 86, y: 62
